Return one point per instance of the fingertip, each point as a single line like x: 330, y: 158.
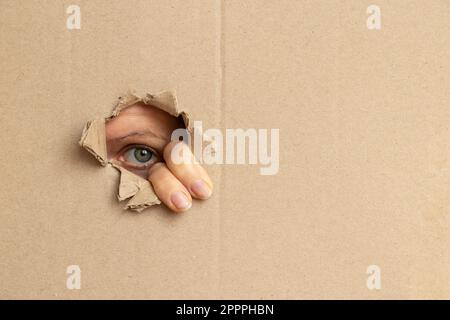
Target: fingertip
x: 201, y: 190
x: 180, y: 201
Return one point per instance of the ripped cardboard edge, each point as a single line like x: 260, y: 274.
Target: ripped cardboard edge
x: 165, y: 101
x: 138, y: 191
x: 93, y: 139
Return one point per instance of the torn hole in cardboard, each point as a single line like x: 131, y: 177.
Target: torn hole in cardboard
x: 136, y: 190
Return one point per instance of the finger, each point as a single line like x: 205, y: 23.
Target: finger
x: 182, y: 163
x: 169, y: 189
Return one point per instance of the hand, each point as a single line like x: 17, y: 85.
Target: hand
x: 138, y: 139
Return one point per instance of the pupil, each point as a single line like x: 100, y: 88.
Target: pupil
x: 142, y: 155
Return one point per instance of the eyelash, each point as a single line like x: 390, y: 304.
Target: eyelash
x: 127, y: 148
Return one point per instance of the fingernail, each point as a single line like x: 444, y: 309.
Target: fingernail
x: 201, y: 189
x: 180, y: 201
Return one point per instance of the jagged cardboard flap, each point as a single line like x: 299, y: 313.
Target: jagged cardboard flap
x: 139, y: 190
x: 165, y: 101
x: 93, y: 139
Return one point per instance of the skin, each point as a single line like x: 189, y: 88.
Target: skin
x: 138, y: 139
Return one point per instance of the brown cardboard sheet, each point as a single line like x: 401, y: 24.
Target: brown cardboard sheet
x: 363, y: 186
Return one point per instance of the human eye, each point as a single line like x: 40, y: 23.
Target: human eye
x: 138, y: 157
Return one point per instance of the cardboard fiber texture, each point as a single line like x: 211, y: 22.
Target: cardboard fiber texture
x: 364, y: 176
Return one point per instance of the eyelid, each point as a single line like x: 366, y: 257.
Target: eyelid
x: 141, y: 141
x: 135, y: 166
x: 138, y: 145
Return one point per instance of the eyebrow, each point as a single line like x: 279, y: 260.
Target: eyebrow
x: 140, y: 133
